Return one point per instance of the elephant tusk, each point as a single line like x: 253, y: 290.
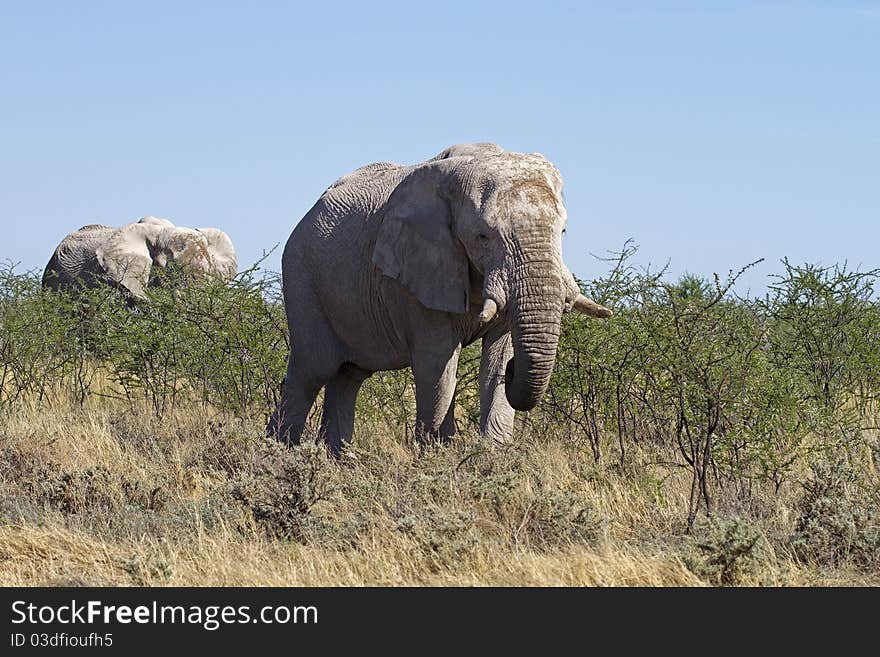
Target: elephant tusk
x: 590, y: 308
x: 489, y: 310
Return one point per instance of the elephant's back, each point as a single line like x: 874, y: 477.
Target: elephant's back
x: 359, y: 194
x: 366, y: 173
x: 75, y: 257
x: 328, y: 254
x: 342, y: 211
x: 87, y: 232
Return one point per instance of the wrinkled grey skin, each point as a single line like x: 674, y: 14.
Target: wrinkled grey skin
x: 404, y: 265
x: 124, y: 257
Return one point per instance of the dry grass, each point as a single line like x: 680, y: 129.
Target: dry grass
x: 104, y: 496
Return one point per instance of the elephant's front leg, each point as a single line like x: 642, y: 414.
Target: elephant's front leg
x: 496, y: 415
x: 435, y: 377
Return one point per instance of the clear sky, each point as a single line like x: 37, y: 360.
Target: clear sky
x: 713, y: 133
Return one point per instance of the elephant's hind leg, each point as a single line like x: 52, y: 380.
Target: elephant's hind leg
x: 340, y: 398
x: 298, y: 393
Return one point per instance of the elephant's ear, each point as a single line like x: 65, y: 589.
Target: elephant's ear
x: 125, y: 258
x: 186, y: 248
x: 221, y: 252
x: 416, y: 246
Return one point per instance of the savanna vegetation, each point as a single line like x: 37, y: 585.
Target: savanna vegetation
x: 697, y: 437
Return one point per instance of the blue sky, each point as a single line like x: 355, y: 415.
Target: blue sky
x: 712, y: 133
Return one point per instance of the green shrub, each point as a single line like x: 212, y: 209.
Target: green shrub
x: 839, y: 516
x: 209, y: 342
x: 728, y: 552
x: 284, y: 487
x: 738, y: 392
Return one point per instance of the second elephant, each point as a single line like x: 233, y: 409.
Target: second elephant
x: 404, y: 265
x: 124, y: 257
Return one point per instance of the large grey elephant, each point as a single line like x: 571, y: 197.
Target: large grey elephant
x: 404, y: 265
x: 125, y: 257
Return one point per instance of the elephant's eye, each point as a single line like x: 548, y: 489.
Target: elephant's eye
x: 483, y: 237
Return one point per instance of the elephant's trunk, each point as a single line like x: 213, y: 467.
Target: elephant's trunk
x: 536, y: 311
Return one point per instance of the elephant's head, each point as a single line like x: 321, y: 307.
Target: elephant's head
x: 129, y: 254
x: 477, y: 213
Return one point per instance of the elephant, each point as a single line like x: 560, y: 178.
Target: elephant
x: 398, y: 266
x: 124, y: 257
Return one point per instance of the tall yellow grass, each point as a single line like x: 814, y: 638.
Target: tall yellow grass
x: 102, y: 495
